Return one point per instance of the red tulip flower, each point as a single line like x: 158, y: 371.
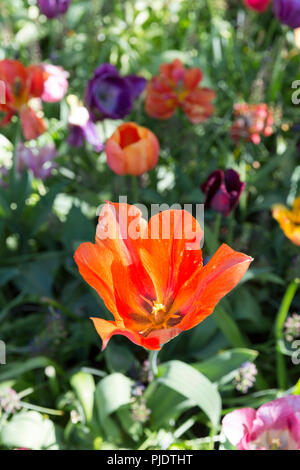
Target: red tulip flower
x: 132, y: 150
x: 21, y: 85
x: 258, y: 5
x: 151, y: 276
x: 178, y: 87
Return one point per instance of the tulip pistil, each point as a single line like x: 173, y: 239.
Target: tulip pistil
x: 159, y: 312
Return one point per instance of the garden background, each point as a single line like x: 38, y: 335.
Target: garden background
x: 57, y: 389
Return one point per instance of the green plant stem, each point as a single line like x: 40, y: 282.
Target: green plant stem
x: 216, y: 231
x: 153, y: 362
x: 230, y: 229
x: 15, y: 152
x: 279, y: 326
x: 48, y: 411
x: 135, y: 189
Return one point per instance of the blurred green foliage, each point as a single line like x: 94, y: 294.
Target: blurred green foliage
x: 72, y: 395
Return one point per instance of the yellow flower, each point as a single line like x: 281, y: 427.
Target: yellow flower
x: 289, y: 220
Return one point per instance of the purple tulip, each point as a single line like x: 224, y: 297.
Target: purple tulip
x: 53, y: 8
x: 109, y: 95
x: 288, y: 12
x: 82, y: 128
x: 38, y: 160
x: 223, y: 190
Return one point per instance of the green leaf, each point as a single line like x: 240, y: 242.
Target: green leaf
x: 118, y: 357
x: 77, y: 228
x: 111, y: 393
x: 229, y: 328
x: 31, y: 430
x: 193, y: 385
x: 11, y: 371
x: 224, y: 363
x: 165, y: 404
x: 84, y: 386
x: 6, y: 274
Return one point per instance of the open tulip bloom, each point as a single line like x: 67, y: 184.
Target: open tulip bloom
x: 289, y: 220
x: 108, y: 95
x: 151, y: 276
x: 21, y: 85
x: 177, y: 87
x: 287, y: 12
x: 27, y: 86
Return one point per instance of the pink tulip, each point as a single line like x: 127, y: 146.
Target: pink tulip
x: 56, y: 83
x: 258, y: 5
x: 274, y: 426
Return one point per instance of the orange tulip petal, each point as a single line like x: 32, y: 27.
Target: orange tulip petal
x: 120, y: 228
x: 197, y: 105
x: 32, y: 125
x: 94, y: 265
x: 223, y: 272
x: 192, y: 78
x: 172, y: 237
x: 36, y: 80
x: 107, y: 329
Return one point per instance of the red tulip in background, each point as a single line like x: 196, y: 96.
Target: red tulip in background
x: 151, y: 276
x: 258, y: 5
x: 21, y: 85
x: 177, y: 87
x: 132, y: 150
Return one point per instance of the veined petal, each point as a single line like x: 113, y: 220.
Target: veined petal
x: 172, y: 237
x: 94, y: 264
x: 216, y: 279
x: 119, y: 229
x: 106, y: 329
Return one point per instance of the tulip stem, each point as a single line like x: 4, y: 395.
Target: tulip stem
x: 153, y: 362
x: 230, y: 229
x: 279, y: 325
x: 15, y: 152
x: 135, y: 189
x: 217, y: 230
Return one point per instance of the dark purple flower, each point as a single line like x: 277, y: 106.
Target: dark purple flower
x: 288, y: 12
x: 223, y: 190
x: 53, y: 8
x: 82, y: 128
x: 108, y: 95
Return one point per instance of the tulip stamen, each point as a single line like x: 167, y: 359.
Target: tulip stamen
x: 159, y: 312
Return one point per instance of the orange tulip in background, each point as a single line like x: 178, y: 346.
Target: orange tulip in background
x: 178, y: 87
x: 151, y: 276
x: 132, y: 150
x: 289, y: 220
x: 21, y: 85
